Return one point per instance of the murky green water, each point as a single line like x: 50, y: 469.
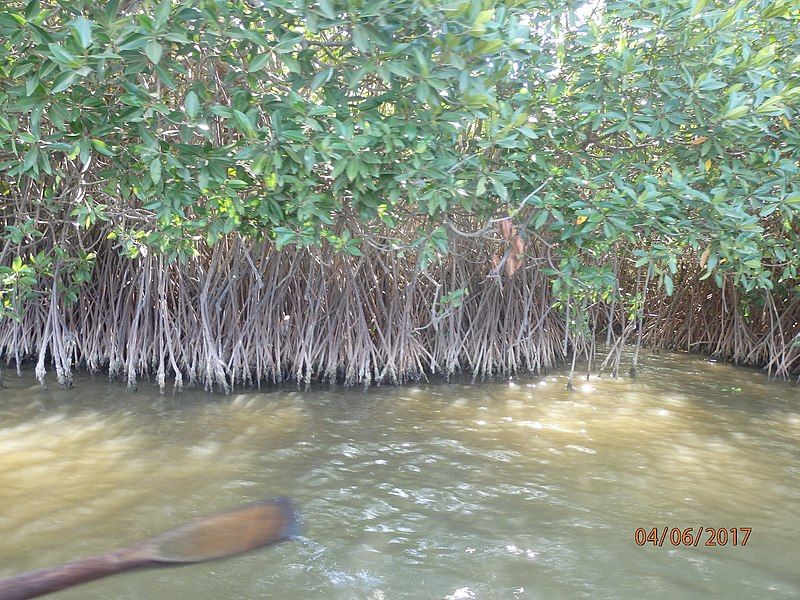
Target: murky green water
x: 498, y: 490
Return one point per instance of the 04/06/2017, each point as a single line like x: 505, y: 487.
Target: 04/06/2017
x: 692, y: 536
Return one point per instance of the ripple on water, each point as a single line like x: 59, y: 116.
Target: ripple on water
x: 443, y: 491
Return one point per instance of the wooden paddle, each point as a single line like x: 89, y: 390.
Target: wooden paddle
x: 206, y: 538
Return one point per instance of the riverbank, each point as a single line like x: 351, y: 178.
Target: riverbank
x: 244, y: 315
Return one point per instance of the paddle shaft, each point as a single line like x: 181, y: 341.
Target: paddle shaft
x: 206, y: 538
x: 44, y: 581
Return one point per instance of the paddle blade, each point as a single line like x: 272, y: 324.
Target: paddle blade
x: 226, y: 534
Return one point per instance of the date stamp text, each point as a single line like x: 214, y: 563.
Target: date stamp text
x: 692, y: 536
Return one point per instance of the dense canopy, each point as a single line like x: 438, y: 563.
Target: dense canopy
x: 615, y: 154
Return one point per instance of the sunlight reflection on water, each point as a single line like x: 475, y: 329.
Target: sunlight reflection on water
x: 502, y: 489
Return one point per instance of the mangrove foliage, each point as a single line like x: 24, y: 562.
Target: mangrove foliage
x: 230, y: 192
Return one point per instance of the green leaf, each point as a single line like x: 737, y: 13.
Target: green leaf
x: 353, y: 250
x: 60, y: 55
x: 102, y: 148
x: 699, y: 5
x: 400, y: 69
x: 63, y: 81
x: 361, y: 39
x: 244, y: 123
x: 326, y: 6
x: 736, y: 113
x: 352, y: 169
x: 500, y: 189
x: 31, y: 156
x: 137, y: 42
x: 192, y: 104
x: 763, y: 56
x: 320, y: 78
x: 479, y: 24
x: 164, y: 76
x: 258, y: 62
x: 283, y: 236
x: 669, y: 286
x: 487, y: 47
x: 771, y: 105
x: 153, y: 51
x: 162, y: 13
x: 291, y: 63
x: 83, y: 31
x: 203, y: 179
x: 31, y: 85
x: 155, y: 170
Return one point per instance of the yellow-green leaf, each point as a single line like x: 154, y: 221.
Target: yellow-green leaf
x: 737, y: 112
x: 102, y: 148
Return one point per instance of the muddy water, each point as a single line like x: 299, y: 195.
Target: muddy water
x: 506, y: 489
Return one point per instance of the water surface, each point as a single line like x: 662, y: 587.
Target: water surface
x: 505, y: 489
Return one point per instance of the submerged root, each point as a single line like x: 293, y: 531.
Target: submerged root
x: 245, y: 315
